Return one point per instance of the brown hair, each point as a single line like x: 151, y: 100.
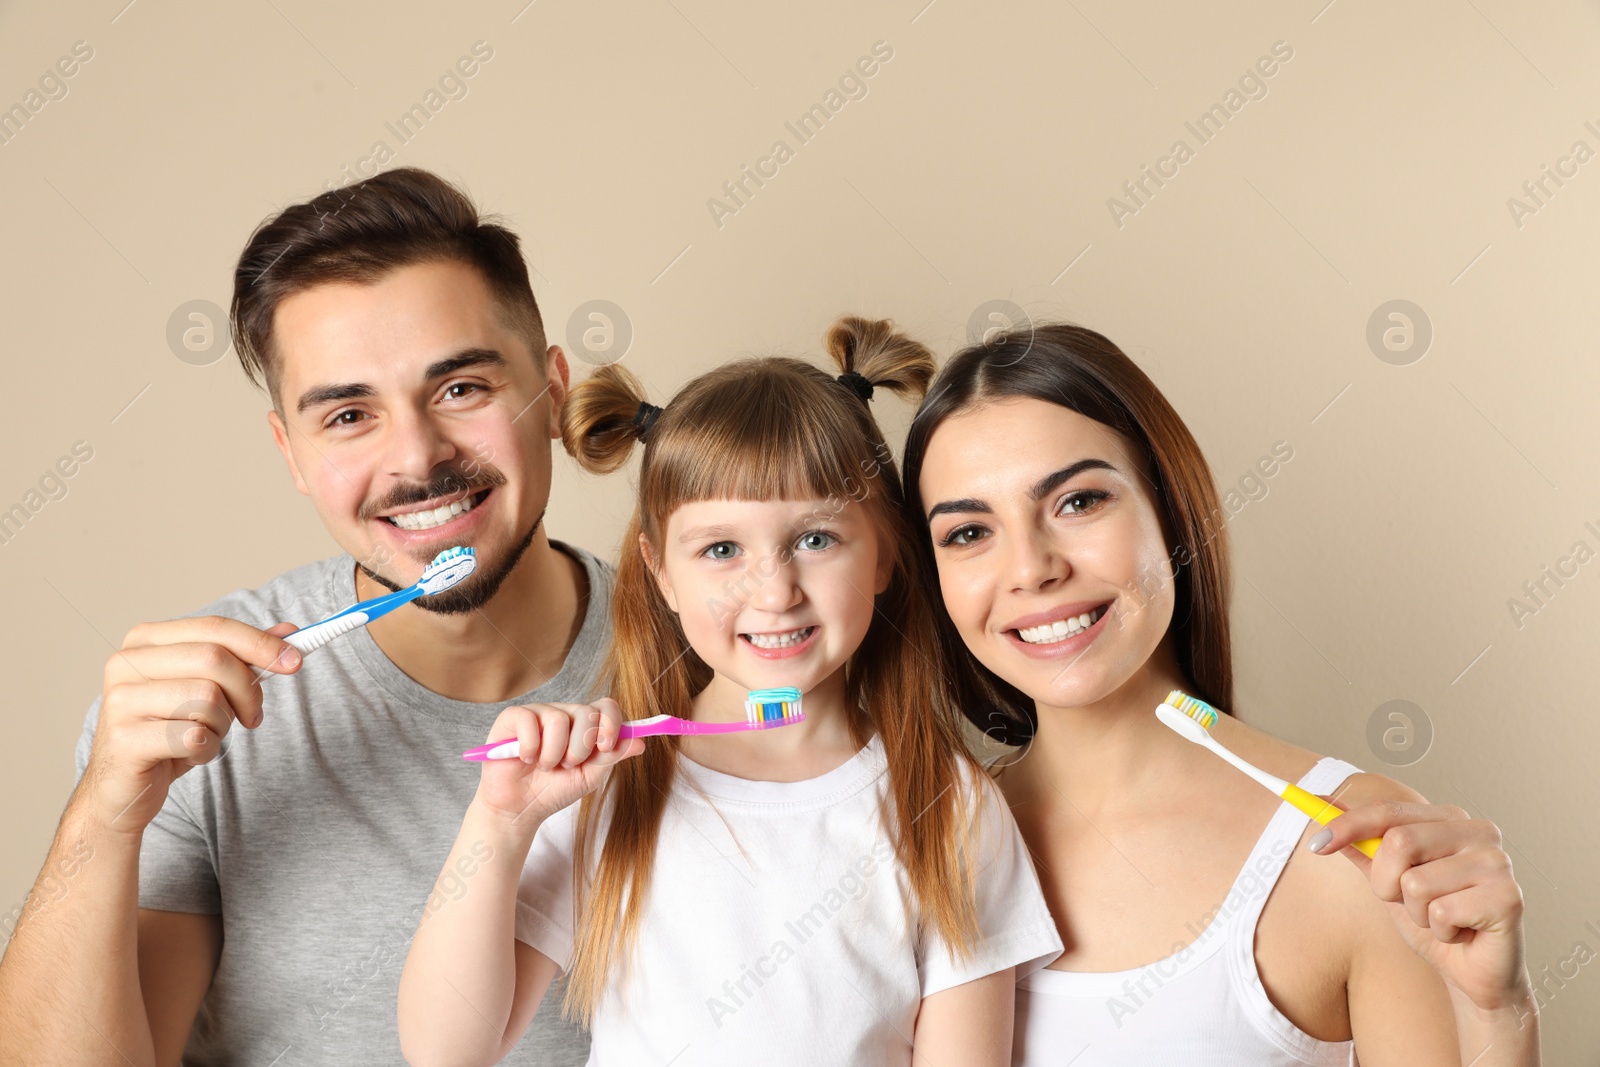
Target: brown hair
x: 763, y: 429
x: 361, y: 232
x: 1084, y: 372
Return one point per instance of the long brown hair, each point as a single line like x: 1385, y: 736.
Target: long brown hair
x: 1083, y: 371
x: 768, y: 428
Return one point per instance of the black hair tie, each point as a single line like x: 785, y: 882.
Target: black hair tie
x: 858, y: 384
x: 645, y: 418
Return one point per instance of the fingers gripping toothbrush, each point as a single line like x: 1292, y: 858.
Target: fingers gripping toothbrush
x: 764, y: 709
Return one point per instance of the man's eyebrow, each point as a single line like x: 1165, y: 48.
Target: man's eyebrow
x: 1039, y: 490
x: 319, y: 395
x: 467, y: 357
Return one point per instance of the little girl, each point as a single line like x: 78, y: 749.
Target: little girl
x: 848, y: 889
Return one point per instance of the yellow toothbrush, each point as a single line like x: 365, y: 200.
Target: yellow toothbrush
x: 1193, y: 718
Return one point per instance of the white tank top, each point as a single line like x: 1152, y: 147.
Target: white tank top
x: 1202, y: 1006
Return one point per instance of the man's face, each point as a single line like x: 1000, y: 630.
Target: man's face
x: 410, y: 395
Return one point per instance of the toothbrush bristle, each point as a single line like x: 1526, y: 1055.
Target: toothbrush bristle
x: 449, y: 555
x: 448, y: 568
x: 1194, y: 707
x: 773, y: 707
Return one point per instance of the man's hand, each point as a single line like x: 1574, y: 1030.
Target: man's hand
x: 170, y: 696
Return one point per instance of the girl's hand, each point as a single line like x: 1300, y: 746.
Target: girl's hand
x: 566, y: 752
x: 1450, y: 891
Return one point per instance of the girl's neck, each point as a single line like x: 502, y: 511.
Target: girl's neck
x: 1111, y: 755
x: 809, y: 748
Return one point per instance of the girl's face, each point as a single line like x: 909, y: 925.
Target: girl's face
x: 1051, y: 556
x: 774, y: 592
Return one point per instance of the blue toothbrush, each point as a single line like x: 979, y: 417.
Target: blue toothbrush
x: 447, y: 568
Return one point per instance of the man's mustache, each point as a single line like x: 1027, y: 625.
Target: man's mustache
x: 444, y: 483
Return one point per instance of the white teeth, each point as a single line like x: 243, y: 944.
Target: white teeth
x: 783, y: 640
x: 427, y: 520
x: 1051, y: 632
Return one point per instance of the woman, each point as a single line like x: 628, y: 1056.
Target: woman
x: 1056, y: 485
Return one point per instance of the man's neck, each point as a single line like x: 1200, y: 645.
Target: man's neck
x: 514, y: 643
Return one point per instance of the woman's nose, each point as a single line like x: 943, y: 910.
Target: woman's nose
x: 1037, y: 561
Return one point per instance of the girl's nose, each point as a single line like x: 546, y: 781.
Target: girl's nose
x: 778, y: 588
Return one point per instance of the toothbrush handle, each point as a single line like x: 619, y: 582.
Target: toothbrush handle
x: 313, y: 637
x: 310, y: 638
x: 509, y: 749
x: 1325, y: 811
x: 681, y: 728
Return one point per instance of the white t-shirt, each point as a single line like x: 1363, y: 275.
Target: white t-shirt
x: 779, y: 927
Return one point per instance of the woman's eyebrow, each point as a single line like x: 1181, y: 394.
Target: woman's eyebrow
x: 1040, y: 489
x: 958, y: 507
x: 1044, y: 485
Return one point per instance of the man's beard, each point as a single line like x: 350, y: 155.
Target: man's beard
x: 475, y: 591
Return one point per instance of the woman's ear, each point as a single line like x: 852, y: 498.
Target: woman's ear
x: 656, y: 572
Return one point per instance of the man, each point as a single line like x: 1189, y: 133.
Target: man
x: 247, y: 895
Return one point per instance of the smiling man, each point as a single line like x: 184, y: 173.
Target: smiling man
x: 248, y: 895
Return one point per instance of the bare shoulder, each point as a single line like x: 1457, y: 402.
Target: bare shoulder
x: 1375, y: 789
x: 1272, y: 754
x: 1291, y: 762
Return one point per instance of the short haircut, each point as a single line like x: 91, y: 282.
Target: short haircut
x: 361, y: 232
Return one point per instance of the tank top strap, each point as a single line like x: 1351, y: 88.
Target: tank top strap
x: 1254, y: 885
x: 1271, y: 854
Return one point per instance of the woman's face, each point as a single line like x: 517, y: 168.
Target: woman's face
x: 1051, y: 556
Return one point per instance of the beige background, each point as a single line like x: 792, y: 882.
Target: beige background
x: 1379, y: 564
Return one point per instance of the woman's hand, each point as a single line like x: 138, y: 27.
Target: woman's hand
x: 1450, y: 890
x: 567, y: 750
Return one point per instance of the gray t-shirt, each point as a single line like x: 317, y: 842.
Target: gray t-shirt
x: 318, y: 836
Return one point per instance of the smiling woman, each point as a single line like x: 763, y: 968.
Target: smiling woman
x: 1081, y: 581
x: 1108, y: 389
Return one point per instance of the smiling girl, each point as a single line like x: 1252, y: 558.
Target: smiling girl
x: 1081, y: 557
x: 848, y: 889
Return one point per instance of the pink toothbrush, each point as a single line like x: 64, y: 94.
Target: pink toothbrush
x: 764, y: 709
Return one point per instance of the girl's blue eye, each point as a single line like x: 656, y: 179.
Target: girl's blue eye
x: 1082, y: 501
x: 809, y: 542
x: 722, y: 550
